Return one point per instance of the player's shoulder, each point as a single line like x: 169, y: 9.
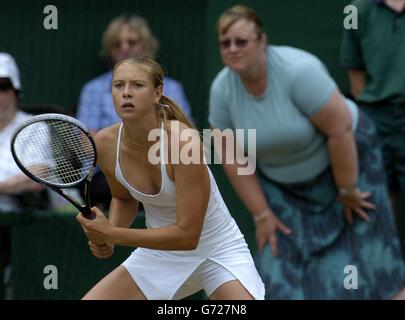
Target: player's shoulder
x: 106, y: 144
x: 107, y: 137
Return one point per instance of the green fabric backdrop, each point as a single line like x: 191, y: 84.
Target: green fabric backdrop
x: 56, y: 63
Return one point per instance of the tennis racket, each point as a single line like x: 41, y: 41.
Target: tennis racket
x: 57, y: 151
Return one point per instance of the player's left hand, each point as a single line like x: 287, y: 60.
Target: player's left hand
x: 97, y: 230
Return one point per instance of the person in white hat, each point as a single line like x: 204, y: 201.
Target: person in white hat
x: 12, y: 181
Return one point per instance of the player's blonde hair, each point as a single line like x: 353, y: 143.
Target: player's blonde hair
x: 166, y: 109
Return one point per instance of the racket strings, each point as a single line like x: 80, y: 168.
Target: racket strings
x: 55, y: 151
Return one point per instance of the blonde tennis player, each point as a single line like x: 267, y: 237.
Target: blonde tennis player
x: 192, y: 242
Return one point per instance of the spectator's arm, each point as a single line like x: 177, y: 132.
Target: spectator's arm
x: 18, y: 184
x: 335, y: 122
x: 357, y: 78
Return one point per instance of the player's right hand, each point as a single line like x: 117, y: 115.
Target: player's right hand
x: 101, y: 251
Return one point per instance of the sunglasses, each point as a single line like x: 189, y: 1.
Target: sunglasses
x: 239, y: 42
x: 5, y: 84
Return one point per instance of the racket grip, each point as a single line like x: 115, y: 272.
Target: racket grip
x: 88, y: 214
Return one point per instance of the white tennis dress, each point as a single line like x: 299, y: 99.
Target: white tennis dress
x: 176, y: 274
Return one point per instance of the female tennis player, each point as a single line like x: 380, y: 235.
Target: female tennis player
x: 192, y: 242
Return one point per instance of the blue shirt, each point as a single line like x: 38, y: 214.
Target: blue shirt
x: 96, y: 109
x: 289, y: 148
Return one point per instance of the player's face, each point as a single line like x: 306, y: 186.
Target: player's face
x: 127, y: 44
x: 133, y: 92
x: 240, y: 47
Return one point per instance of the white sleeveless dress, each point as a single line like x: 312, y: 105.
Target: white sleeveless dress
x: 163, y: 274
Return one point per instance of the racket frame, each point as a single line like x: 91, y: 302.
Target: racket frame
x: 84, y: 209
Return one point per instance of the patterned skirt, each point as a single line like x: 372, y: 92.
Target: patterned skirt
x: 325, y: 257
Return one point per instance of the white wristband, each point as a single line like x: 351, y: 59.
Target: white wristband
x: 347, y: 191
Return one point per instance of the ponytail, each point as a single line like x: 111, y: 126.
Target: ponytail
x: 169, y: 110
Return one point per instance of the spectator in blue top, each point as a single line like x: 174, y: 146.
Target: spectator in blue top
x: 319, y: 200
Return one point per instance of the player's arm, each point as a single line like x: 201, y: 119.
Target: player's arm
x: 122, y: 213
x: 192, y: 195
x: 124, y: 207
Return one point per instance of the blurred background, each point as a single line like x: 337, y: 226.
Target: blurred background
x: 55, y: 64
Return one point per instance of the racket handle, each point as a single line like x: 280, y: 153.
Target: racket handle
x: 88, y: 214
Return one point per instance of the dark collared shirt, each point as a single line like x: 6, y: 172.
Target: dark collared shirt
x: 378, y: 48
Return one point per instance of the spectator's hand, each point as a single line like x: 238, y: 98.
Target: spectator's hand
x: 266, y: 231
x: 355, y: 203
x: 101, y: 251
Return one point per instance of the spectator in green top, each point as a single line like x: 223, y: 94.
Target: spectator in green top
x: 374, y: 55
